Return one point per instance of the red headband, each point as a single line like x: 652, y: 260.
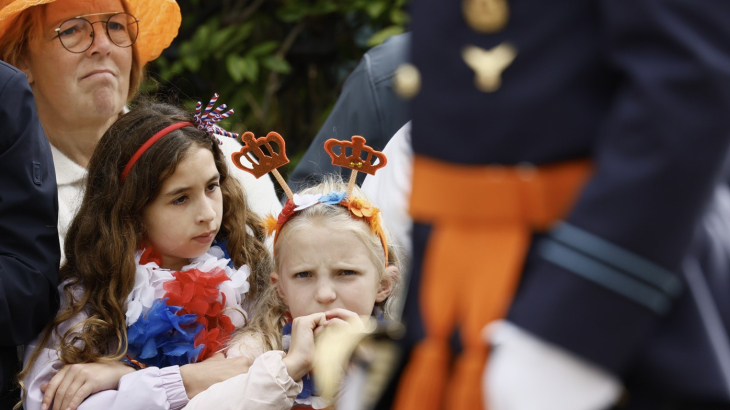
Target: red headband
x: 149, y: 143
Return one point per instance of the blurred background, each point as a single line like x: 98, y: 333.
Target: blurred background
x: 279, y: 63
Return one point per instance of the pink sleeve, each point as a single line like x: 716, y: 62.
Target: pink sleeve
x: 151, y: 388
x: 266, y: 386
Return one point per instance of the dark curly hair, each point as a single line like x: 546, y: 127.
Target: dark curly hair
x: 108, y: 229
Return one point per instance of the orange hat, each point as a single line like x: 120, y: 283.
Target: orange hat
x: 159, y: 21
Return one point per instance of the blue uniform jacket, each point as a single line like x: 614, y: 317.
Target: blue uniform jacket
x: 29, y: 250
x: 367, y: 106
x: 643, y: 88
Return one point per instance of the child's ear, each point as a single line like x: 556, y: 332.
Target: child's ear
x: 387, y: 283
x: 274, y: 277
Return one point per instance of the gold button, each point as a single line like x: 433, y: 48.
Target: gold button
x: 488, y: 65
x: 407, y: 81
x: 486, y: 16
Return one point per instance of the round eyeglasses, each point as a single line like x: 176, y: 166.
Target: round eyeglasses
x: 77, y: 34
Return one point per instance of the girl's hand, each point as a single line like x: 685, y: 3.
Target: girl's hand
x: 339, y: 316
x: 300, y: 358
x: 75, y: 382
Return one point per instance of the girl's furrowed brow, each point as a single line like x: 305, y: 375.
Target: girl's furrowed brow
x: 299, y: 267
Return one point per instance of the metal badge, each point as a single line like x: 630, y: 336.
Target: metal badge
x: 488, y: 65
x: 486, y: 16
x: 407, y: 81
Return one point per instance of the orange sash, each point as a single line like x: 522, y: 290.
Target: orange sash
x: 482, y: 220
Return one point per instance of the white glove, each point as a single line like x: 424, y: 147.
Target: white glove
x: 526, y: 373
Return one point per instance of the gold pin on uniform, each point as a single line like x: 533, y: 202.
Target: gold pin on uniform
x: 486, y: 16
x: 488, y: 65
x: 407, y: 81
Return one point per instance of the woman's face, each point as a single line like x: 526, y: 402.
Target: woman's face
x: 78, y: 88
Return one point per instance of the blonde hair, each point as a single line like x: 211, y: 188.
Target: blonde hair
x: 27, y: 27
x: 269, y: 316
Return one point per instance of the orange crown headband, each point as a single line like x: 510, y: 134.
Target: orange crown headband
x: 265, y: 154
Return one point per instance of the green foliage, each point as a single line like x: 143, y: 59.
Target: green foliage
x: 383, y: 34
x: 279, y: 63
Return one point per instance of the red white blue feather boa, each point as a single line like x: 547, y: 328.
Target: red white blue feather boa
x: 175, y: 318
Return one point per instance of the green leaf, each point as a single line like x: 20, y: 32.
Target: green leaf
x: 240, y: 34
x: 252, y: 69
x: 236, y: 67
x: 201, y: 38
x: 177, y: 68
x: 185, y: 48
x: 189, y: 105
x: 399, y: 17
x: 296, y: 11
x: 262, y: 49
x: 383, y: 34
x: 242, y: 68
x: 149, y: 86
x: 323, y: 8
x: 276, y: 64
x: 191, y: 61
x: 220, y: 37
x: 292, y: 13
x: 375, y: 9
x: 162, y: 63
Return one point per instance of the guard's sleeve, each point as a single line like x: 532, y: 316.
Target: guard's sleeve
x: 604, y: 279
x: 366, y: 107
x: 29, y: 250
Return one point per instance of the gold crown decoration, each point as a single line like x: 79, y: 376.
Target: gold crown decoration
x: 263, y: 162
x: 373, y: 161
x: 355, y: 161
